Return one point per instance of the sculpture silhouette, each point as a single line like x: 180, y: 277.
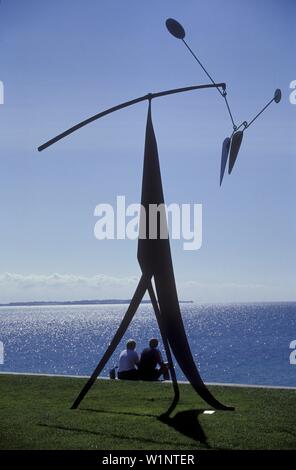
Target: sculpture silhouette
x: 154, y: 257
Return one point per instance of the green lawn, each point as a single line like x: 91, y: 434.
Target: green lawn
x: 35, y: 414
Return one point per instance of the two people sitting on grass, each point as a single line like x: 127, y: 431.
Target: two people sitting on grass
x: 149, y: 366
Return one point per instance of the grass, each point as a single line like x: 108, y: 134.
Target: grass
x: 115, y: 415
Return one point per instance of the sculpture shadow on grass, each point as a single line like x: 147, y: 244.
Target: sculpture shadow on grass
x: 187, y: 423
x: 184, y: 422
x: 76, y: 430
x: 126, y: 413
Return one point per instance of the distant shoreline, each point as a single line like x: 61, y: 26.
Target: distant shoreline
x: 80, y: 302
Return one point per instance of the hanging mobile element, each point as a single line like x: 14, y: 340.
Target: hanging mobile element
x: 276, y: 98
x: 234, y: 149
x: 277, y: 95
x: 238, y: 135
x: 175, y: 28
x: 224, y: 157
x: 233, y: 142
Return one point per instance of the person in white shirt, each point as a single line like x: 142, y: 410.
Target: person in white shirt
x: 128, y: 361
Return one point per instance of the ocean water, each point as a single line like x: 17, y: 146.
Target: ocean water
x: 231, y: 343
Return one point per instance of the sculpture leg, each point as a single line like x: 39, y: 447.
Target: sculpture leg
x: 135, y: 302
x: 166, y: 347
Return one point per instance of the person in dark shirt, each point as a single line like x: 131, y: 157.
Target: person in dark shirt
x: 150, y: 360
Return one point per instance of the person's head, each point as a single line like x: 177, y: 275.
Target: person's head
x: 153, y: 343
x: 131, y: 344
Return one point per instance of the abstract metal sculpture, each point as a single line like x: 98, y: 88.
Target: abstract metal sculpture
x: 154, y: 254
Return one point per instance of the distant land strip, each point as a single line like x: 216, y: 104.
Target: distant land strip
x: 79, y: 302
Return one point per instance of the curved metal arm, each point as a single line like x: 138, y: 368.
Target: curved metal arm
x: 149, y: 96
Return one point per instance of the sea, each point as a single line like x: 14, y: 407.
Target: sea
x: 243, y: 343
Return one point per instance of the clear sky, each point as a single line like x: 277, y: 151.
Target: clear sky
x: 64, y: 60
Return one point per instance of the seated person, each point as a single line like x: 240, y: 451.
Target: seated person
x: 128, y: 361
x: 150, y: 359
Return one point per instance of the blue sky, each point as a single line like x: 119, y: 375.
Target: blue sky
x: 62, y: 61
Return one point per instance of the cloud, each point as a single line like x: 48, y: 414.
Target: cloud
x: 62, y: 279
x: 18, y: 287
x: 236, y: 291
x: 30, y: 287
